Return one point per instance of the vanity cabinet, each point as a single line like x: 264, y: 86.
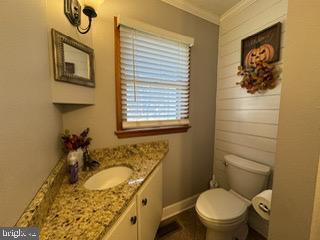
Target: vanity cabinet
x: 141, y: 219
x: 126, y: 226
x: 149, y: 206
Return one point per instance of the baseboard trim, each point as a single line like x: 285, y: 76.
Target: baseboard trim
x: 179, y: 207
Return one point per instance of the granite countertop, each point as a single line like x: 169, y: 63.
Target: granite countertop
x: 78, y: 213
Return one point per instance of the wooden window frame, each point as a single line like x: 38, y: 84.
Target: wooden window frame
x: 134, y: 132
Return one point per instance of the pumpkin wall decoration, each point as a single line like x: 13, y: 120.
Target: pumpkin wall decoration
x: 259, y: 52
x: 264, y: 53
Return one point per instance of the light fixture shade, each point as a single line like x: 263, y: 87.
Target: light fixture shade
x: 93, y: 3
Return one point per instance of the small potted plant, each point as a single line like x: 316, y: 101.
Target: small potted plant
x: 75, y: 145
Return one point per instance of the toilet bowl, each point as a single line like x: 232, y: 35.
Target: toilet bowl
x: 224, y: 213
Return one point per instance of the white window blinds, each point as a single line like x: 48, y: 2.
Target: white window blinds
x: 155, y: 82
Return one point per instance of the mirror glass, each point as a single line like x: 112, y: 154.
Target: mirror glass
x: 76, y: 62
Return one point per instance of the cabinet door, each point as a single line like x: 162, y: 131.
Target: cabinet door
x: 126, y: 226
x: 149, y: 203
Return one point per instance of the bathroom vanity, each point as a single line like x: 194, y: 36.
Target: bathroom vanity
x: 130, y: 210
x: 141, y: 219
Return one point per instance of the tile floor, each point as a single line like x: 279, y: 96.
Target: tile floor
x: 192, y: 228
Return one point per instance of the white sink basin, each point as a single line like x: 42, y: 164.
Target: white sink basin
x: 108, y: 178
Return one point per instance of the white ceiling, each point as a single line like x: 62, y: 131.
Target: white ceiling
x: 217, y: 7
x: 210, y: 10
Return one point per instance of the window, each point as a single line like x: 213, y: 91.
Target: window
x: 152, y: 79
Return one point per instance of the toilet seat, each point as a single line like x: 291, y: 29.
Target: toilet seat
x: 221, y: 207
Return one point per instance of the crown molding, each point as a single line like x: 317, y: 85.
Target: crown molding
x: 237, y: 8
x: 187, y: 7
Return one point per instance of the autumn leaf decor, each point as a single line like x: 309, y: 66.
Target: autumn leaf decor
x: 258, y: 76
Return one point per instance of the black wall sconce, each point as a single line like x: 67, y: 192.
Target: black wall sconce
x: 72, y: 9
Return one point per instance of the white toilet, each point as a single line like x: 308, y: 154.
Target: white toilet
x: 223, y: 212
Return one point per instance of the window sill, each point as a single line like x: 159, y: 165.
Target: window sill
x: 140, y: 132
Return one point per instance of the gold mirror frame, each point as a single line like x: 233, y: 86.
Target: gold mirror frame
x: 58, y: 39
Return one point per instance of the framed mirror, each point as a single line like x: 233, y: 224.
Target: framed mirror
x: 73, y: 61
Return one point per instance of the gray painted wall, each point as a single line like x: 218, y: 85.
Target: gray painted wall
x: 30, y: 123
x: 188, y: 166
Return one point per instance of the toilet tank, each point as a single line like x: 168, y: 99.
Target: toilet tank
x: 246, y: 177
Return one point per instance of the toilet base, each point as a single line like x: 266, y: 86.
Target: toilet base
x: 238, y: 234
x: 217, y: 235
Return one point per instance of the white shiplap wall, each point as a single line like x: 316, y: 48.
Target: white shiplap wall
x: 246, y: 125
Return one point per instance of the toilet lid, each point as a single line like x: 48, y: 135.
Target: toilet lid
x: 220, y: 205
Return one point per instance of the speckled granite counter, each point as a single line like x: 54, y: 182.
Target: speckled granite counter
x: 77, y: 213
